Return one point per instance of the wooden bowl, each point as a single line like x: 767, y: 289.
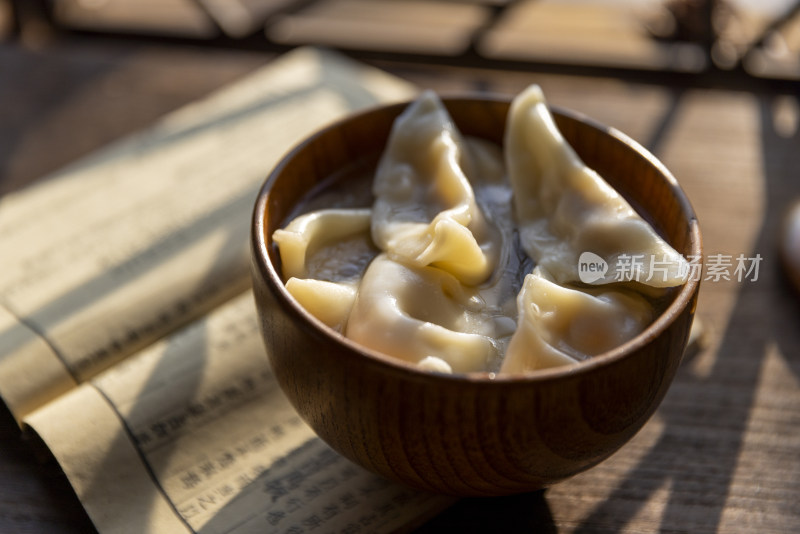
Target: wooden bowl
x: 469, y: 434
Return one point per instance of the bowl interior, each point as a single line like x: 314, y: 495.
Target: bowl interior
x: 357, y: 142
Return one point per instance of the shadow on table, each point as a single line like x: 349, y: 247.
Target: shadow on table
x: 528, y: 512
x: 36, y: 485
x: 703, y: 446
x: 40, y: 85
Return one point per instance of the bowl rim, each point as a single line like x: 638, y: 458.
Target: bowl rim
x: 271, y: 276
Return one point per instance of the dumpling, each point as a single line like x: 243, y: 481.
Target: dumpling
x: 425, y: 211
x: 435, y: 365
x: 423, y: 315
x: 330, y: 302
x: 564, y: 208
x: 324, y: 253
x: 559, y: 324
x: 329, y: 244
x: 431, y: 274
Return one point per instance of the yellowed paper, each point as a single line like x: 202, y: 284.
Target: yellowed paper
x: 104, y: 466
x: 129, y: 244
x: 194, y: 435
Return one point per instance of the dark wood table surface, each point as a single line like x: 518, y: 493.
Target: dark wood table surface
x: 722, y: 454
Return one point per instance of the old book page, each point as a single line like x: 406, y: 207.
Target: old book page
x: 129, y: 244
x: 194, y: 435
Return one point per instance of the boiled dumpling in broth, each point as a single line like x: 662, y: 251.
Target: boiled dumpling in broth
x: 329, y: 244
x: 562, y: 324
x: 425, y: 212
x: 430, y: 274
x: 330, y: 302
x: 417, y: 313
x: 564, y: 208
x: 323, y: 255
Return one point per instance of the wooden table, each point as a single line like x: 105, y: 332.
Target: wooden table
x: 722, y: 454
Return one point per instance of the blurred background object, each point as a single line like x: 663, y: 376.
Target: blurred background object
x: 727, y: 41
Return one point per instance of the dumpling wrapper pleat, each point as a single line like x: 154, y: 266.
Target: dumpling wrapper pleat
x: 425, y: 211
x: 564, y: 208
x: 560, y: 325
x: 413, y: 313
